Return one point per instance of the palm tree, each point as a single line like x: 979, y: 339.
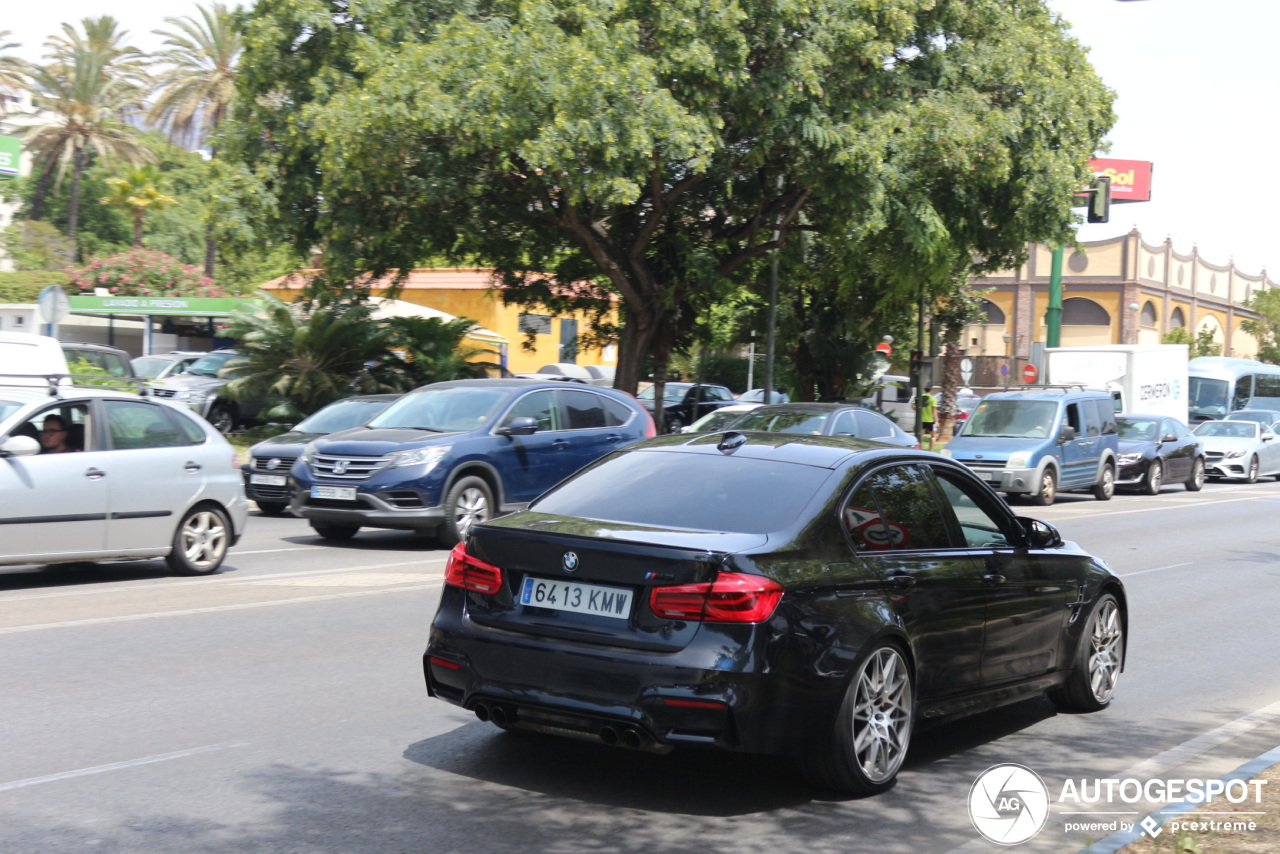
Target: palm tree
x: 13, y: 71
x: 306, y: 359
x: 199, y: 82
x: 428, y: 349
x: 91, y: 83
x: 138, y: 192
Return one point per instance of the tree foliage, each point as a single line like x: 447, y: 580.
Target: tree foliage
x: 1266, y: 302
x: 144, y: 272
x: 1205, y: 343
x: 655, y: 149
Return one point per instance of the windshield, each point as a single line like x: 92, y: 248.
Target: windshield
x: 810, y: 423
x: 1030, y: 419
x: 717, y: 493
x: 342, y: 415
x: 1267, y: 418
x: 1228, y: 429
x: 210, y: 365
x: 150, y: 366
x: 1137, y: 429
x: 8, y: 407
x: 1208, y: 397
x: 671, y: 392
x: 443, y: 409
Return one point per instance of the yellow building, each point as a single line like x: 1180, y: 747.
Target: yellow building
x: 472, y: 293
x: 1117, y: 291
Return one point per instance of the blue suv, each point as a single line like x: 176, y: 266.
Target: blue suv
x: 451, y: 454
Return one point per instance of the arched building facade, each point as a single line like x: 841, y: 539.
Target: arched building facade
x: 1122, y: 290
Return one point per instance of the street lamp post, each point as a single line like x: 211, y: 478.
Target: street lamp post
x: 1008, y: 359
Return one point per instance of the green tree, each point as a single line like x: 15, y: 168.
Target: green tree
x: 137, y: 192
x: 1204, y: 342
x: 34, y: 245
x: 660, y: 150
x: 306, y: 358
x: 1266, y: 302
x: 427, y: 350
x: 91, y: 83
x: 13, y: 71
x: 197, y: 86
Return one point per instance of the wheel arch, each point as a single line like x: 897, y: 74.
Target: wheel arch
x: 476, y: 468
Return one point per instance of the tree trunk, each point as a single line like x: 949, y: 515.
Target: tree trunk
x: 951, y: 357
x: 73, y: 209
x: 137, y: 228
x: 42, y: 189
x: 210, y: 250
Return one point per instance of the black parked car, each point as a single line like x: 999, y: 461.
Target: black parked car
x: 1156, y: 450
x: 266, y: 475
x: 685, y: 403
x: 826, y: 419
x: 798, y: 595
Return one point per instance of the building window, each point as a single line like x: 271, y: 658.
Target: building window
x: 1177, y: 320
x: 991, y: 311
x: 1149, y: 319
x: 539, y: 324
x: 1079, y: 311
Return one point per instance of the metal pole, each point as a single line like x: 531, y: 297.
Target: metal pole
x: 1053, y: 315
x: 771, y: 335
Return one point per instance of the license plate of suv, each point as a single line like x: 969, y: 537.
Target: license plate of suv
x: 342, y: 493
x: 594, y: 599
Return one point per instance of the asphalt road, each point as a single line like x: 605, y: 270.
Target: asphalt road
x: 278, y: 707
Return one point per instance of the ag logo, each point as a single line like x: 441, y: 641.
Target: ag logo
x: 273, y: 463
x: 1008, y: 804
x: 570, y: 561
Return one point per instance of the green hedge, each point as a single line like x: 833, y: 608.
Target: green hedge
x: 25, y: 285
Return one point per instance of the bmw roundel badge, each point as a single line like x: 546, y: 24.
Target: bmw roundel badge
x: 570, y: 561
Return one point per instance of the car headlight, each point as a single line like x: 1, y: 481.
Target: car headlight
x: 1130, y: 459
x: 1231, y: 455
x: 945, y: 452
x: 428, y: 457
x: 1019, y: 460
x: 192, y: 395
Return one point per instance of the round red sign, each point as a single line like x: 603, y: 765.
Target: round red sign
x: 1029, y: 374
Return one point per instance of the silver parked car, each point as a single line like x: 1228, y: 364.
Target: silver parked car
x: 93, y: 474
x: 1240, y: 449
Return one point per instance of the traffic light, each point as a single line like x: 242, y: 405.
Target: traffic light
x: 1100, y: 199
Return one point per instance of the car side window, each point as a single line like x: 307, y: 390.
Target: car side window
x: 141, y: 425
x: 616, y: 412
x: 67, y: 426
x: 1073, y: 420
x: 722, y: 394
x: 1106, y: 412
x: 539, y: 405
x: 871, y: 426
x: 844, y: 424
x: 582, y: 410
x: 896, y: 509
x: 979, y: 527
x: 189, y: 428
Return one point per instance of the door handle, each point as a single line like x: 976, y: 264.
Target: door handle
x: 560, y: 444
x: 901, y: 581
x: 613, y: 439
x: 993, y: 578
x: 192, y: 466
x: 95, y: 474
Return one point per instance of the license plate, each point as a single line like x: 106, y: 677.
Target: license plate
x: 268, y: 479
x: 342, y: 493
x: 990, y: 476
x: 594, y: 599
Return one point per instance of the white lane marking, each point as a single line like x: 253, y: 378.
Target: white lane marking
x: 1160, y: 508
x: 354, y: 579
x: 1157, y: 569
x: 116, y: 766
x: 238, y: 553
x: 214, y: 579
x: 1157, y: 766
x: 212, y: 609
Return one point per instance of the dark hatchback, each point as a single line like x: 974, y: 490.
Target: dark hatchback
x: 1155, y: 450
x: 266, y: 475
x: 798, y: 595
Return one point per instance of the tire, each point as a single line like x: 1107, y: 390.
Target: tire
x: 223, y: 418
x: 335, y: 533
x: 1098, y: 660
x: 674, y: 423
x: 272, y: 508
x: 1196, y: 482
x: 1154, y: 479
x: 872, y: 730
x: 469, y: 502
x: 1106, y: 487
x: 1251, y: 476
x: 1047, y: 491
x: 200, y: 541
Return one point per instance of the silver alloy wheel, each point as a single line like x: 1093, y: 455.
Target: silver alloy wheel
x: 1048, y: 489
x: 1155, y: 477
x: 882, y: 714
x: 1106, y: 653
x: 1197, y: 476
x: 203, y: 539
x: 1107, y: 486
x: 472, y: 507
x: 1252, y: 476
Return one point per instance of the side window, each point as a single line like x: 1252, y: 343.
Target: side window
x: 844, y: 425
x: 1244, y: 391
x: 582, y: 410
x: 141, y: 425
x: 1072, y: 418
x: 189, y: 428
x: 539, y: 405
x: 114, y: 365
x: 1266, y: 385
x: 722, y: 394
x: 1105, y: 411
x: 871, y: 427
x: 979, y: 528
x: 616, y: 413
x: 58, y: 429
x: 906, y: 512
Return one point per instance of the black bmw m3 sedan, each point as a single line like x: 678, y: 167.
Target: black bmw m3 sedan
x: 771, y: 593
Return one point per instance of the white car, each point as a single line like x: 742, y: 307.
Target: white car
x: 1240, y: 449
x: 139, y: 479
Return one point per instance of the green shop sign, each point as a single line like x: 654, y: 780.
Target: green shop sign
x: 167, y: 306
x: 10, y: 148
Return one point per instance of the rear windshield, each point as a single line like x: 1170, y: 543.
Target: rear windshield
x: 689, y: 492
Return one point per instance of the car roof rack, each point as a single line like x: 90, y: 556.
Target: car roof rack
x: 1064, y: 388
x: 60, y: 383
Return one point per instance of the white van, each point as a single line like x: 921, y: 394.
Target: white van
x: 27, y: 359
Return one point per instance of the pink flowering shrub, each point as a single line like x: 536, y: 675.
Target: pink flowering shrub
x: 144, y: 272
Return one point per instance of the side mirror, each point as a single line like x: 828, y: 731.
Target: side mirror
x: 19, y: 446
x: 522, y: 425
x: 1168, y: 437
x: 1066, y: 433
x: 1040, y: 535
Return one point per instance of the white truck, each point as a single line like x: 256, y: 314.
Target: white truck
x: 1146, y: 379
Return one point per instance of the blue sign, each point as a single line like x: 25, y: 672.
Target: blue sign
x: 1004, y: 370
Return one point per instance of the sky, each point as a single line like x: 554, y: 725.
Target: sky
x: 1193, y: 97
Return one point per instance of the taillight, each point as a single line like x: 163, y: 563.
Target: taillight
x: 731, y: 598
x: 651, y: 430
x: 471, y: 573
